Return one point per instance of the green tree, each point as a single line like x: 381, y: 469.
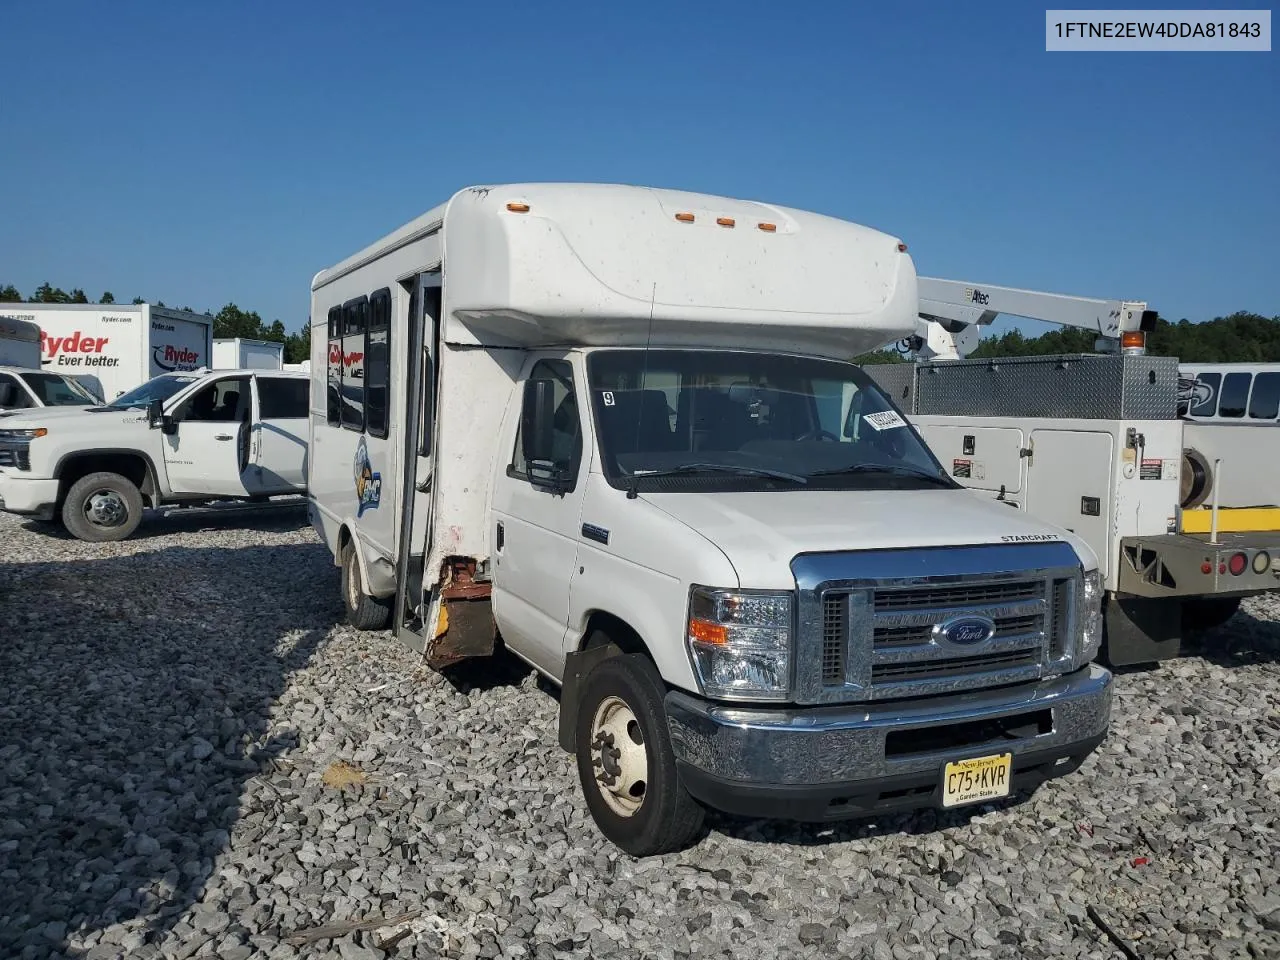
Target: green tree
x: 138, y: 300
x: 231, y: 321
x: 297, y: 346
x: 107, y: 297
x: 78, y: 296
x: 9, y: 294
x: 47, y: 294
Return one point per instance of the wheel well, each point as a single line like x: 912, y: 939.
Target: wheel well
x: 133, y: 467
x: 344, y: 537
x: 620, y: 633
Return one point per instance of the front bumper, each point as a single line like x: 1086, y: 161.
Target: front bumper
x: 28, y: 497
x: 831, y: 763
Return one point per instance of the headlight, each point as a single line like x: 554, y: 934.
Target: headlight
x: 740, y: 643
x: 1090, y: 613
x: 29, y: 434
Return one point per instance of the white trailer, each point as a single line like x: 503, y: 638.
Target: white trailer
x: 617, y: 429
x: 238, y: 353
x: 122, y: 345
x: 22, y: 383
x: 1182, y: 516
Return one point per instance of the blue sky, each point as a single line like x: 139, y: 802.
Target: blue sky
x: 205, y: 153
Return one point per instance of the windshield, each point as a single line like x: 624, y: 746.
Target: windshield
x: 55, y: 390
x: 680, y: 419
x: 157, y: 388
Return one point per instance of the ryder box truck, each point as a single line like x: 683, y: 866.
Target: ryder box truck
x: 617, y: 428
x: 122, y: 345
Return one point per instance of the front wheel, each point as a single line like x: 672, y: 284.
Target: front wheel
x: 625, y: 762
x: 102, y: 507
x: 363, y: 611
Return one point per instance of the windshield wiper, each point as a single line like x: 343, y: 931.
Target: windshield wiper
x: 715, y: 468
x: 890, y: 468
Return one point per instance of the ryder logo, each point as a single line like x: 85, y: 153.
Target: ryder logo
x: 172, y: 358
x: 76, y: 350
x: 368, y: 482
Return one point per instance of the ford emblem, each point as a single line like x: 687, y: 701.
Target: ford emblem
x: 965, y: 631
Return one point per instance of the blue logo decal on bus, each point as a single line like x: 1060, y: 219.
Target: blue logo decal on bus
x: 368, y: 481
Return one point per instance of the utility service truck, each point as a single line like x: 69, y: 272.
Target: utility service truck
x: 237, y: 353
x: 122, y: 345
x: 616, y: 430
x: 180, y: 438
x: 1182, y: 515
x: 22, y: 383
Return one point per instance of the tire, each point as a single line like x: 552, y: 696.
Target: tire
x: 102, y: 507
x: 1205, y: 613
x: 363, y: 611
x: 625, y: 694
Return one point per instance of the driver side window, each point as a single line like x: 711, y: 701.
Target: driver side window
x: 224, y: 401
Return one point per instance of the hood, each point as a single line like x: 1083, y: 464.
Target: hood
x: 761, y: 532
x: 44, y: 416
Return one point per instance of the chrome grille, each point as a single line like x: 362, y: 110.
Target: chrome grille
x: 19, y: 457
x: 911, y: 598
x: 954, y: 667
x: 1060, y: 618
x: 834, y: 633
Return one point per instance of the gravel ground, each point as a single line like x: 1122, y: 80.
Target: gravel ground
x: 195, y: 761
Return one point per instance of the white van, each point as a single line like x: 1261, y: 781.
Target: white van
x: 617, y: 430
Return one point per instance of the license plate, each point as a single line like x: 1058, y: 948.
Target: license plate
x: 972, y: 781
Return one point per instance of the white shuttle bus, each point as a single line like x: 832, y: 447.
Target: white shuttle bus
x: 616, y: 430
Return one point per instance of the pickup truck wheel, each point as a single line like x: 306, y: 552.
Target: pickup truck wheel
x: 102, y: 507
x: 625, y: 761
x: 363, y: 611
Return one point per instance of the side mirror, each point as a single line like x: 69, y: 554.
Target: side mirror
x: 536, y: 429
x: 6, y: 394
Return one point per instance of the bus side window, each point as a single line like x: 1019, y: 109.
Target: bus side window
x: 1264, y: 402
x: 1235, y: 395
x: 1207, y: 403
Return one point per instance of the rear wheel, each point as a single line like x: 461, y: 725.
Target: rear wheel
x: 625, y: 762
x: 363, y: 611
x: 102, y: 507
x: 1201, y: 614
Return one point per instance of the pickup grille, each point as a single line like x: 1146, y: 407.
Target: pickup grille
x: 15, y: 457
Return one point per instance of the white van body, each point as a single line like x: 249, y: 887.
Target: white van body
x: 122, y: 345
x: 180, y: 438
x: 888, y: 622
x: 237, y: 353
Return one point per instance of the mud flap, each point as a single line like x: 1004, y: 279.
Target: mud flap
x: 1141, y: 630
x: 577, y: 666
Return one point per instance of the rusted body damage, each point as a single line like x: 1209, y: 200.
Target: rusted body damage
x: 466, y: 627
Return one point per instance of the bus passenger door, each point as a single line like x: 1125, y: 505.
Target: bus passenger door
x: 416, y: 382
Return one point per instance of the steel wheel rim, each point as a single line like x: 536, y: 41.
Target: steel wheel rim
x: 619, y: 757
x: 353, y: 582
x: 105, y: 508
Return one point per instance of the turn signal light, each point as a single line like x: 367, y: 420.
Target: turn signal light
x: 518, y: 207
x: 1133, y: 340
x: 1237, y: 564
x: 707, y: 632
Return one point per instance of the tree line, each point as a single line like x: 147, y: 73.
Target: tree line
x: 230, y: 321
x: 1239, y: 337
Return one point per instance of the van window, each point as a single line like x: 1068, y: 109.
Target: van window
x: 1235, y: 394
x: 377, y: 365
x: 282, y: 398
x: 1264, y: 402
x: 334, y: 392
x: 355, y: 319
x: 568, y: 425
x: 1205, y: 394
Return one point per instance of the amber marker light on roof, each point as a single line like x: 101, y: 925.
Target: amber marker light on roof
x: 516, y: 207
x: 685, y: 217
x: 768, y: 227
x: 726, y: 221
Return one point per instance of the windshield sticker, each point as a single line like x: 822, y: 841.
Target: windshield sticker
x: 368, y: 482
x: 1029, y: 537
x: 884, y: 421
x: 608, y: 398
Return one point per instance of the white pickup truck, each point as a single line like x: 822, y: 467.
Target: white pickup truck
x: 180, y: 438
